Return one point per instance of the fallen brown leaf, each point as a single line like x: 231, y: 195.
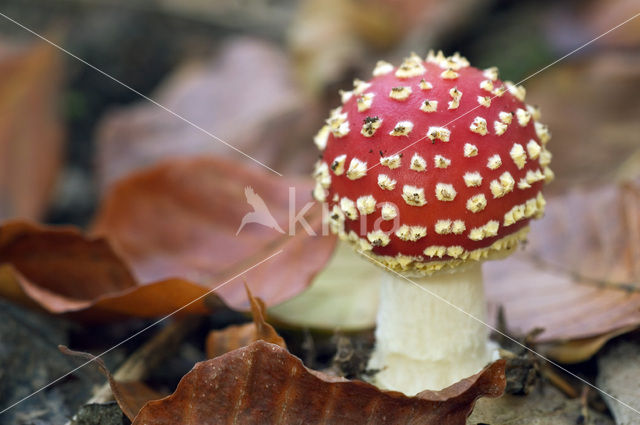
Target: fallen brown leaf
x: 578, y: 277
x: 31, y: 132
x: 174, y: 228
x: 232, y: 337
x: 62, y: 271
x: 180, y: 218
x: 264, y: 384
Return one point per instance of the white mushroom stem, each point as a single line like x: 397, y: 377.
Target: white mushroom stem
x: 422, y: 341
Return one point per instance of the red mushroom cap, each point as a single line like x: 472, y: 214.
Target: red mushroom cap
x: 432, y: 164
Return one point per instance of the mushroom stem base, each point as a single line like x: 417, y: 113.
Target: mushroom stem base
x: 422, y: 340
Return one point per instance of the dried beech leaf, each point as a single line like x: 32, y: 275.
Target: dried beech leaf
x: 180, y: 218
x: 264, y: 330
x: 228, y: 339
x: 578, y: 277
x: 232, y: 337
x: 264, y: 384
x: 31, y: 132
x: 62, y: 271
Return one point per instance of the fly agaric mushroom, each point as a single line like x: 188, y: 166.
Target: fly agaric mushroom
x: 428, y: 169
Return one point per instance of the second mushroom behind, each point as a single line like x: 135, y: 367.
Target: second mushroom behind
x: 428, y: 169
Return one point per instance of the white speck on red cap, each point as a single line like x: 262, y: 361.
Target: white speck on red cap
x: 506, y: 117
x: 425, y: 85
x: 533, y: 149
x: 523, y: 117
x: 518, y: 155
x: 411, y: 67
x: 491, y: 73
x: 400, y: 92
x: 382, y: 68
x: 411, y: 233
x: 499, y: 128
x: 357, y: 169
x: 477, y: 203
x: 470, y: 150
x: 441, y: 162
x: 402, y: 128
x: 429, y: 106
x: 503, y: 185
x: 349, y: 209
x: 413, y: 195
x: 479, y: 125
x: 494, y: 162
x: 385, y: 182
x: 486, y: 85
x: 337, y: 165
x: 388, y: 211
x: 392, y: 161
x: 366, y: 204
x: 321, y: 137
x: 472, y: 179
x: 438, y: 133
x: 418, y: 163
x: 378, y: 238
x: 364, y: 101
x: 484, y: 101
x: 445, y: 192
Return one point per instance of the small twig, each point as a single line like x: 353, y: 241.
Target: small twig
x: 559, y: 382
x: 584, y: 405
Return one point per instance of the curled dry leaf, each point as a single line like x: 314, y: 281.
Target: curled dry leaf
x: 171, y: 223
x: 62, y: 271
x: 578, y: 277
x: 264, y: 384
x: 31, y: 132
x: 232, y: 337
